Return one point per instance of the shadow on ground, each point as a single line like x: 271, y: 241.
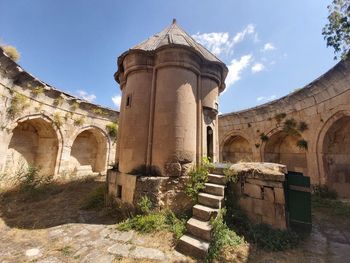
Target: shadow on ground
x: 55, y: 204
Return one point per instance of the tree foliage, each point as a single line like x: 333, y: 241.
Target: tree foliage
x: 337, y: 31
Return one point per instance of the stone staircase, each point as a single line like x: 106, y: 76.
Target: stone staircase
x: 197, y: 239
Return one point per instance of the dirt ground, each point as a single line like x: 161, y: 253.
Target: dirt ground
x: 51, y: 227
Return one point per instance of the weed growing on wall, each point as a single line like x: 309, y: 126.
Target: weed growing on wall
x: 302, y: 144
x: 74, y: 106
x: 280, y: 116
x: 198, y: 176
x: 112, y: 129
x: 264, y: 137
x: 19, y: 102
x: 12, y: 52
x: 79, y: 121
x: 37, y: 91
x: 99, y: 111
x: 58, y: 101
x: 57, y: 119
x: 302, y: 126
x: 290, y: 126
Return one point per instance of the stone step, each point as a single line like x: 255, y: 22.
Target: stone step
x: 199, y: 228
x: 217, y: 179
x: 210, y: 200
x: 214, y: 189
x: 204, y: 213
x: 192, y: 246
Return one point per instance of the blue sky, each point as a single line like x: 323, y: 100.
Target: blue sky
x: 272, y: 47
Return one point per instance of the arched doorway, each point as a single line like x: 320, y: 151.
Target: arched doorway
x: 235, y: 149
x: 34, y: 142
x: 282, y: 148
x: 336, y: 156
x: 89, y: 153
x: 210, y: 146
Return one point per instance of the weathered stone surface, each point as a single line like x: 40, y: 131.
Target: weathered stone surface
x: 321, y: 107
x: 279, y: 195
x: 252, y: 190
x: 64, y: 135
x: 148, y: 253
x: 269, y: 194
x: 120, y: 249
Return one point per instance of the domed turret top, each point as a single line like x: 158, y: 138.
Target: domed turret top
x: 175, y: 35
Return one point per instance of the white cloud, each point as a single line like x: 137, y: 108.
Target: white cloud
x: 268, y: 46
x: 117, y: 99
x: 257, y: 67
x: 250, y: 29
x: 86, y: 96
x: 268, y: 98
x: 236, y: 67
x: 220, y: 42
x: 216, y: 42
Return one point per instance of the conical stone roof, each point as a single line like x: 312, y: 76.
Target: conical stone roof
x: 173, y: 35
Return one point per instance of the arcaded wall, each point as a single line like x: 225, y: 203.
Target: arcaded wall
x: 308, y: 130
x: 47, y: 128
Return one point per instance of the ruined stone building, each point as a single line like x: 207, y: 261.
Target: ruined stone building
x: 42, y: 126
x: 307, y: 130
x: 169, y: 120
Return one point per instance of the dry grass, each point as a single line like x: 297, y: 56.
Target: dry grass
x: 55, y: 204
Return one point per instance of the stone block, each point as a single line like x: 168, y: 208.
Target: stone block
x: 268, y: 208
x: 257, y: 206
x: 269, y: 194
x: 252, y: 190
x: 279, y: 195
x: 245, y: 203
x: 280, y: 216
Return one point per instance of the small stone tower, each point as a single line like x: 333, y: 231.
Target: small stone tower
x: 168, y: 115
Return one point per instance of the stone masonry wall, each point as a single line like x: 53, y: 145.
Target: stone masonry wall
x: 260, y: 192
x: 45, y: 127
x: 306, y: 130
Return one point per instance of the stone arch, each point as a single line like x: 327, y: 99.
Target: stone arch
x: 235, y: 148
x: 89, y: 151
x: 334, y: 153
x: 282, y: 148
x: 35, y: 140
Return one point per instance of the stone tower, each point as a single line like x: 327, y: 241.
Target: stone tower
x: 168, y: 115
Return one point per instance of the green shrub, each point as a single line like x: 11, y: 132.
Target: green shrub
x: 154, y: 222
x: 231, y: 175
x: 12, y: 52
x: 29, y: 179
x: 198, y: 176
x: 145, y: 205
x: 221, y: 236
x: 112, y: 129
x: 95, y: 199
x: 99, y: 111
